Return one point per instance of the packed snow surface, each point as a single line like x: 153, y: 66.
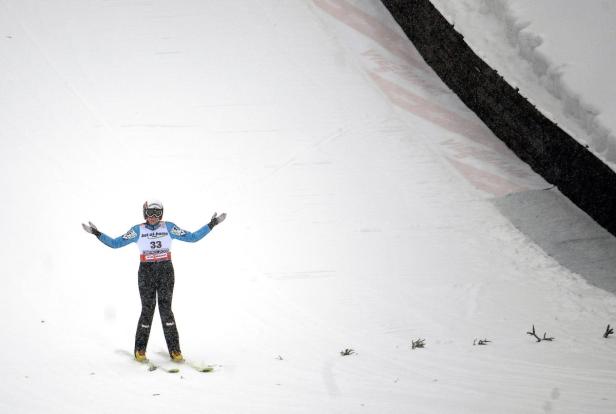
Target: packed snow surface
x: 360, y: 195
x: 561, y: 54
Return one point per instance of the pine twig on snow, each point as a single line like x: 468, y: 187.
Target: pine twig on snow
x: 551, y: 338
x: 534, y: 334
x: 608, y: 331
x: 545, y: 338
x: 418, y: 343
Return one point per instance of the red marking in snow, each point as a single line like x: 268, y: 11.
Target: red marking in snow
x: 486, y: 181
x: 370, y: 26
x: 490, y: 149
x: 407, y: 72
x: 461, y: 150
x: 451, y: 121
x: 436, y: 114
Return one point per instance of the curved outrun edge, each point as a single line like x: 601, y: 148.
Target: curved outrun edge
x: 550, y: 151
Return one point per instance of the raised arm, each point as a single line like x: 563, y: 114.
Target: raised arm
x: 129, y: 237
x: 191, y: 237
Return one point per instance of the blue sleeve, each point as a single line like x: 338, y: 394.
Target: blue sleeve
x: 177, y: 233
x: 129, y: 237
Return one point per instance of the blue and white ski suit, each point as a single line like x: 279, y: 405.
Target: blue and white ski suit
x: 154, y: 242
x: 156, y: 275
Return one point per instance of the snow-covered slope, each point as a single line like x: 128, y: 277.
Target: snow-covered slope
x: 360, y: 199
x: 560, y: 54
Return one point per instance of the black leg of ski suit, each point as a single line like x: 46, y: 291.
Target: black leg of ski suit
x: 156, y: 278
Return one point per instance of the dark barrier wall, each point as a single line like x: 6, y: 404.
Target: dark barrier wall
x: 551, y: 152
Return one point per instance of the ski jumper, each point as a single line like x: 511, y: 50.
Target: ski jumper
x: 155, y: 276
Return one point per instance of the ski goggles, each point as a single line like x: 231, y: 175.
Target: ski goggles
x: 153, y: 212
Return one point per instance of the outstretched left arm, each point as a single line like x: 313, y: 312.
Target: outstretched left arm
x: 177, y: 233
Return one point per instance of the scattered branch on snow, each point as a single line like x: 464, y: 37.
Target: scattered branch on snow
x: 347, y: 352
x: 608, y: 331
x: 545, y: 338
x: 481, y: 342
x: 418, y: 343
x: 551, y: 338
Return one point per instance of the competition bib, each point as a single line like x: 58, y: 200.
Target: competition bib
x: 154, y: 245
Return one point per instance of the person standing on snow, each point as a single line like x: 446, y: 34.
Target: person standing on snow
x: 156, y: 276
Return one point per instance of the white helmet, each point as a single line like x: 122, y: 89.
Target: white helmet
x: 152, y: 208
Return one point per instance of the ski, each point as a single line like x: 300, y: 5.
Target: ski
x: 192, y: 364
x: 200, y: 368
x: 151, y: 365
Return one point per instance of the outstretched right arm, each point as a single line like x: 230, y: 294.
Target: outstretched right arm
x: 129, y: 237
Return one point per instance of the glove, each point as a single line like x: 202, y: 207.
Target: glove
x: 216, y: 219
x: 91, y: 229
